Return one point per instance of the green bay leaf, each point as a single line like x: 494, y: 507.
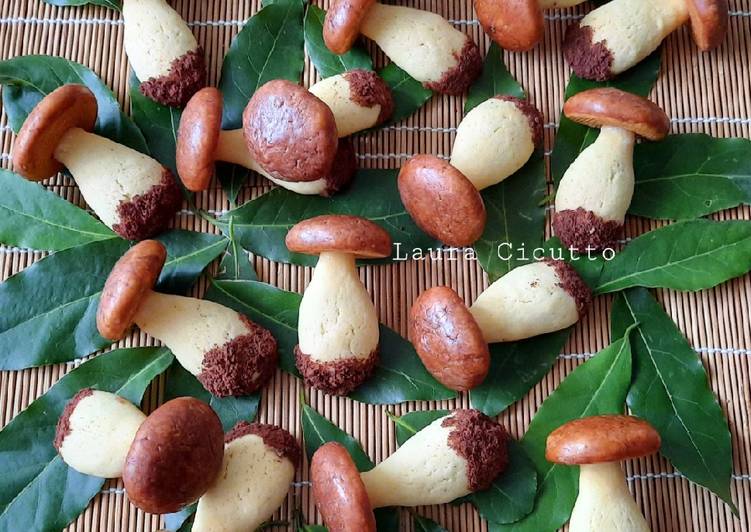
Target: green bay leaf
x: 515, y: 367
x: 270, y: 46
x: 571, y: 138
x: 39, y: 491
x: 261, y: 225
x: 28, y: 79
x: 112, y: 4
x: 670, y: 389
x: 326, y: 62
x: 49, y: 309
x: 598, y: 386
x: 494, y: 80
x: 158, y: 123
x: 690, y: 255
x: 408, y: 93
x: 33, y: 217
x: 423, y: 524
x: 516, y: 219
x: 689, y: 176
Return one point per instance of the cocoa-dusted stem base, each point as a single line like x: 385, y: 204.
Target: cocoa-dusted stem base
x: 149, y: 214
x: 242, y: 365
x: 584, y: 230
x: 187, y: 75
x: 338, y: 377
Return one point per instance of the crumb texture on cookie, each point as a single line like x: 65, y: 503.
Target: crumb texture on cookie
x: 336, y: 377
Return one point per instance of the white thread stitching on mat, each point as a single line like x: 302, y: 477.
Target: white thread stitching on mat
x: 630, y: 478
x: 222, y: 23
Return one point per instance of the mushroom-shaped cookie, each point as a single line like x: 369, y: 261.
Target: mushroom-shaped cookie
x: 338, y: 324
x: 95, y: 431
x: 530, y: 300
x: 448, y: 340
x: 516, y: 25
x: 597, y: 444
x: 175, y: 456
x: 454, y: 456
x: 163, y: 52
x: 333, y: 108
x: 423, y: 44
x: 130, y: 192
x: 167, y: 460
x: 617, y: 35
x: 596, y: 190
x: 229, y: 354
x: 258, y: 467
x: 494, y: 140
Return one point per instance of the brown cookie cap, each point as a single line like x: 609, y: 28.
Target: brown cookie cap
x: 242, y: 365
x: 290, y: 132
x: 583, y: 229
x: 709, y: 22
x: 588, y: 60
x: 533, y: 114
x: 339, y: 491
x: 338, y: 377
x: 343, y: 170
x: 187, y: 74
x: 467, y: 69
x: 367, y: 89
x: 341, y: 28
x: 341, y: 233
x: 63, y: 423
x: 65, y: 108
x: 276, y: 438
x: 570, y: 280
x: 516, y: 25
x: 198, y: 138
x: 129, y: 282
x: 448, y: 339
x: 175, y: 457
x: 613, y: 107
x: 441, y: 200
x: 482, y: 442
x: 598, y: 439
x: 148, y: 214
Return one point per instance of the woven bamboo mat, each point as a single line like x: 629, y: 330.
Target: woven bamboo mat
x: 702, y: 93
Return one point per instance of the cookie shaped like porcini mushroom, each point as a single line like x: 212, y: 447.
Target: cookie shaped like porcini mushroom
x: 494, y: 140
x: 448, y: 340
x: 175, y: 456
x: 229, y: 354
x: 163, y: 52
x: 530, y: 300
x: 130, y: 192
x: 358, y: 100
x: 516, y: 25
x: 167, y: 460
x: 338, y: 332
x: 454, y: 456
x: 423, y: 44
x: 258, y: 467
x: 597, y: 444
x: 596, y: 190
x: 617, y: 35
x: 95, y: 431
